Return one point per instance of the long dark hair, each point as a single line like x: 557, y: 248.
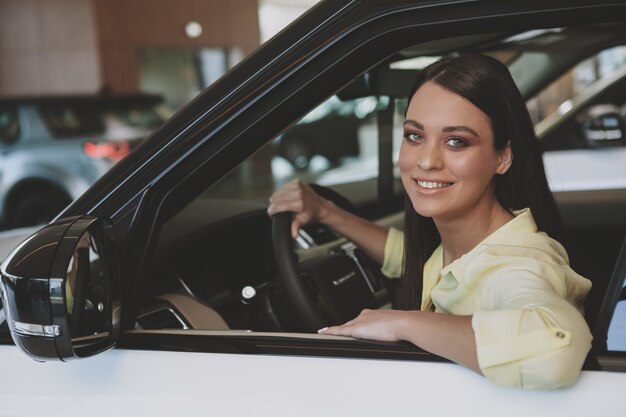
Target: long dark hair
x: 487, y: 84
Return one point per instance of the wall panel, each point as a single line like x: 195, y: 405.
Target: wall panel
x: 126, y: 27
x: 48, y: 46
x: 70, y: 46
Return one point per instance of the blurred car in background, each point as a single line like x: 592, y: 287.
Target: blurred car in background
x: 53, y: 148
x: 317, y: 133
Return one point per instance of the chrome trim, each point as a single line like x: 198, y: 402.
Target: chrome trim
x: 3, y: 317
x: 305, y: 240
x: 163, y: 308
x: 29, y: 329
x: 612, y: 363
x: 344, y: 278
x: 183, y: 283
x: 349, y: 248
x: 78, y: 342
x: 116, y: 315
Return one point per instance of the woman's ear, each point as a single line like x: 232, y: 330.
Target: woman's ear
x: 505, y: 159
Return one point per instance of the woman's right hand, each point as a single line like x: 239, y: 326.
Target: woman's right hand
x: 299, y: 198
x: 310, y: 207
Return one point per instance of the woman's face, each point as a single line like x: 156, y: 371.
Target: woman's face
x: 447, y: 158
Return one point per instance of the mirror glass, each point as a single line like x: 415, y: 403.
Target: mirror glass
x: 86, y: 293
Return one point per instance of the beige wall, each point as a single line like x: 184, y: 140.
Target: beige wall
x: 47, y: 46
x: 59, y: 46
x: 126, y: 26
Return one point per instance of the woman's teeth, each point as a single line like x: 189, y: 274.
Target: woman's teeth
x: 430, y: 184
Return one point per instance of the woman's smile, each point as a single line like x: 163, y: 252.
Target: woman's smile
x: 430, y: 186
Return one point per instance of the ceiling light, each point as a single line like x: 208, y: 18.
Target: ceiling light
x: 193, y: 29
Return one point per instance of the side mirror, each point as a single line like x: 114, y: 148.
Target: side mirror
x: 602, y: 125
x: 60, y: 289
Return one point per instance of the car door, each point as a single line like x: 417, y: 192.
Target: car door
x: 237, y: 372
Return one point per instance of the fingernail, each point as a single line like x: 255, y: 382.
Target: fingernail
x: 322, y: 330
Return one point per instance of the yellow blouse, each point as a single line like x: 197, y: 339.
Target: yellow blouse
x: 525, y: 300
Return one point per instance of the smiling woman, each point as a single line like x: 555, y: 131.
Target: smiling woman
x: 483, y: 282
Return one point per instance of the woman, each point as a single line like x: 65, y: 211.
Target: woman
x: 483, y: 282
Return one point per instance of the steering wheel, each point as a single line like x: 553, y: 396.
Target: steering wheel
x: 336, y: 278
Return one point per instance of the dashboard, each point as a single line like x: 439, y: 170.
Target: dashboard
x: 215, y: 248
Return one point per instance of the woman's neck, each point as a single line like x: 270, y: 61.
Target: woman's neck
x: 461, y: 234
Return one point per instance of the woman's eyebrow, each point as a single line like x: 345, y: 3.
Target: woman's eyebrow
x: 446, y: 129
x: 462, y: 129
x: 413, y: 123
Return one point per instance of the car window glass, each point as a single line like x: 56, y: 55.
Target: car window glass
x: 616, y: 336
x: 560, y: 94
x: 616, y: 340
x: 9, y: 126
x: 71, y: 120
x: 336, y: 142
x: 585, y: 107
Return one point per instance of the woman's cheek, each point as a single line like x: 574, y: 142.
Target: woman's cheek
x: 406, y: 158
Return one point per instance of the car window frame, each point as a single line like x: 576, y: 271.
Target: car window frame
x: 212, y: 137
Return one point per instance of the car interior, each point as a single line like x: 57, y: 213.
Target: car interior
x: 218, y: 262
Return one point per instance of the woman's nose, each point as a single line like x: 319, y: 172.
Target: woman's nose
x: 429, y: 156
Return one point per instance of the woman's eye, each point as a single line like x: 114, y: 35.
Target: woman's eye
x: 412, y: 136
x: 456, y: 142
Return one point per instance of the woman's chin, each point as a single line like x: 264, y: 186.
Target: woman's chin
x: 426, y: 211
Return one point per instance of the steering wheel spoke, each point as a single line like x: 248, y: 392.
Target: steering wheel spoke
x: 323, y: 290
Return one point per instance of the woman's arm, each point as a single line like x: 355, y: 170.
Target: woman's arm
x: 309, y: 207
x: 530, y: 336
x: 446, y: 335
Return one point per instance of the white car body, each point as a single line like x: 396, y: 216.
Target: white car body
x: 148, y: 383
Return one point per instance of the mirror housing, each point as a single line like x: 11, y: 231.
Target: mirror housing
x: 60, y: 289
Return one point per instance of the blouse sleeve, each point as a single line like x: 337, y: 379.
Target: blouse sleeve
x: 394, y: 254
x: 527, y: 332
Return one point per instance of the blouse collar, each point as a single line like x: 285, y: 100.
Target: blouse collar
x: 522, y: 223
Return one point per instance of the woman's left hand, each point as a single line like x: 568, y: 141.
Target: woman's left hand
x: 383, y: 325
x: 445, y: 335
